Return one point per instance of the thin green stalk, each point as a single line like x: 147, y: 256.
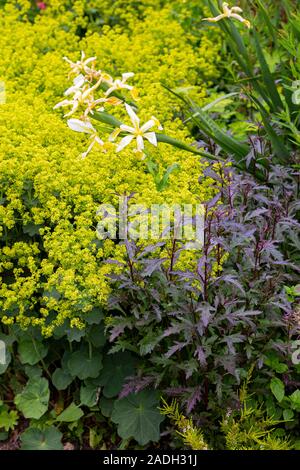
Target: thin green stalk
x: 114, y: 122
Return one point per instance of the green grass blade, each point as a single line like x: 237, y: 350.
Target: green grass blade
x: 219, y: 100
x: 279, y: 147
x: 181, y: 145
x: 267, y: 76
x: 239, y: 51
x: 268, y: 22
x: 112, y: 121
x: 211, y: 129
x: 106, y: 119
x: 228, y: 143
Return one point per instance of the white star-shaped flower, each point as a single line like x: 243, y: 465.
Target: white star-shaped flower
x: 229, y: 13
x: 137, y: 132
x: 85, y: 126
x: 81, y: 65
x: 120, y: 84
x: 83, y: 95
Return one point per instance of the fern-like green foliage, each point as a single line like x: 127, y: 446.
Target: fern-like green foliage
x: 252, y: 430
x: 247, y: 428
x: 191, y: 435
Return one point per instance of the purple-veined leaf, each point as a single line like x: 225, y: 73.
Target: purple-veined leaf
x: 201, y: 356
x: 176, y: 347
x: 194, y: 398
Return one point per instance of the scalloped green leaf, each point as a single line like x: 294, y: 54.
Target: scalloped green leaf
x: 36, y: 439
x: 81, y: 365
x: 106, y: 406
x: 31, y: 352
x: 70, y: 414
x: 138, y: 417
x: 74, y: 334
x: 33, y: 400
x: 97, y: 336
x: 116, y: 367
x: 33, y: 372
x: 88, y: 395
x: 61, y: 379
x: 94, y: 317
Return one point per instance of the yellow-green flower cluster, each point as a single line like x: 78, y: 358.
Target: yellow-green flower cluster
x: 52, y: 267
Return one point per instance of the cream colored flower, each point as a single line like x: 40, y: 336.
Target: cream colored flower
x: 137, y: 132
x: 117, y: 85
x: 85, y: 126
x: 81, y: 66
x: 78, y: 83
x: 229, y: 13
x: 83, y: 96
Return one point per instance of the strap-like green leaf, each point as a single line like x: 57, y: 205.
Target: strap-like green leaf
x: 267, y: 76
x: 106, y: 119
x: 280, y: 149
x: 267, y: 20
